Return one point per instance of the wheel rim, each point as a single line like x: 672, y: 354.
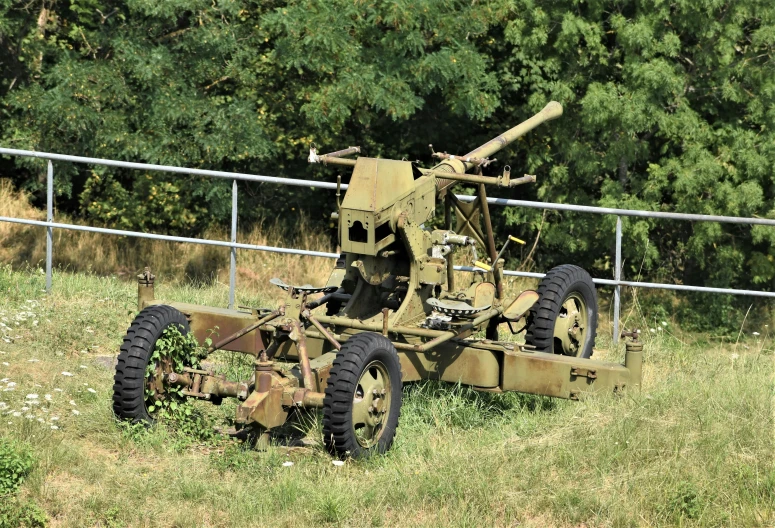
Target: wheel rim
x: 571, y: 326
x: 371, y: 404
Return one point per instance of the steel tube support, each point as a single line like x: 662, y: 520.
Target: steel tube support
x: 491, y: 250
x: 617, y: 277
x: 377, y: 327
x: 313, y: 399
x: 325, y: 160
x: 49, y: 229
x: 301, y: 347
x: 225, y: 341
x: 233, y: 260
x: 324, y: 332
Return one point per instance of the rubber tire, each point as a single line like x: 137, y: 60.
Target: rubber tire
x: 555, y: 288
x: 136, y: 349
x: 356, y: 353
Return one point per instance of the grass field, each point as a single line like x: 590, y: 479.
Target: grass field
x: 694, y: 448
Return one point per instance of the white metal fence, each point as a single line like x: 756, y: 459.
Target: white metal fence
x: 49, y: 224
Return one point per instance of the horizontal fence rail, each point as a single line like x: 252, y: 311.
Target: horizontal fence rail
x: 617, y: 282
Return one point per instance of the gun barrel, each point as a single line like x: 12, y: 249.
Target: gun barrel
x: 553, y: 110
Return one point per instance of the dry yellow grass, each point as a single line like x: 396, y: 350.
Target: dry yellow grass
x: 74, y: 251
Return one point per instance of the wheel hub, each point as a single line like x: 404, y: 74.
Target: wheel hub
x: 570, y: 326
x: 371, y: 403
x: 154, y: 380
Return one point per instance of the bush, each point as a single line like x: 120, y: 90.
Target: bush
x: 16, y: 462
x: 21, y: 514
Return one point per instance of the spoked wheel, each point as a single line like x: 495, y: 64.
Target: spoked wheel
x: 139, y: 385
x: 564, y: 319
x: 363, y: 397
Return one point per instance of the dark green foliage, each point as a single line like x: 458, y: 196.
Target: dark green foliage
x: 16, y: 462
x: 685, y: 501
x: 17, y: 513
x: 668, y: 106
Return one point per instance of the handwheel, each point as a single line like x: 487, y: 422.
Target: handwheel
x: 137, y: 389
x: 363, y: 397
x: 564, y: 319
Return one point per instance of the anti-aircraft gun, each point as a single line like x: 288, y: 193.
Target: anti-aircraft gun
x: 391, y: 312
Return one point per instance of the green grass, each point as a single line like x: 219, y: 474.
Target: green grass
x: 694, y: 448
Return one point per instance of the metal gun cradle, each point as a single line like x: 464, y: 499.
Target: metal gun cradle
x: 390, y: 313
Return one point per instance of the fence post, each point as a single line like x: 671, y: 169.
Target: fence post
x: 617, y: 277
x: 49, y: 229
x: 233, y: 263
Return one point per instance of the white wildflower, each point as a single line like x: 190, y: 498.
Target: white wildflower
x: 76, y: 412
x: 72, y: 402
x: 734, y: 356
x: 756, y: 333
x: 67, y: 374
x: 54, y: 418
x: 91, y: 390
x: 57, y: 390
x: 17, y: 414
x: 287, y: 463
x: 84, y: 366
x: 664, y: 323
x: 652, y: 330
x: 32, y: 396
x: 6, y: 364
x: 54, y: 427
x: 47, y: 396
x: 337, y: 462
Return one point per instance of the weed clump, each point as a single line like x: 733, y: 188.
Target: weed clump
x: 686, y: 501
x: 16, y: 513
x: 16, y: 462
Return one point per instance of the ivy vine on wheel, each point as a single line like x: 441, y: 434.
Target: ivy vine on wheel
x: 564, y: 319
x: 156, y: 344
x: 363, y: 397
